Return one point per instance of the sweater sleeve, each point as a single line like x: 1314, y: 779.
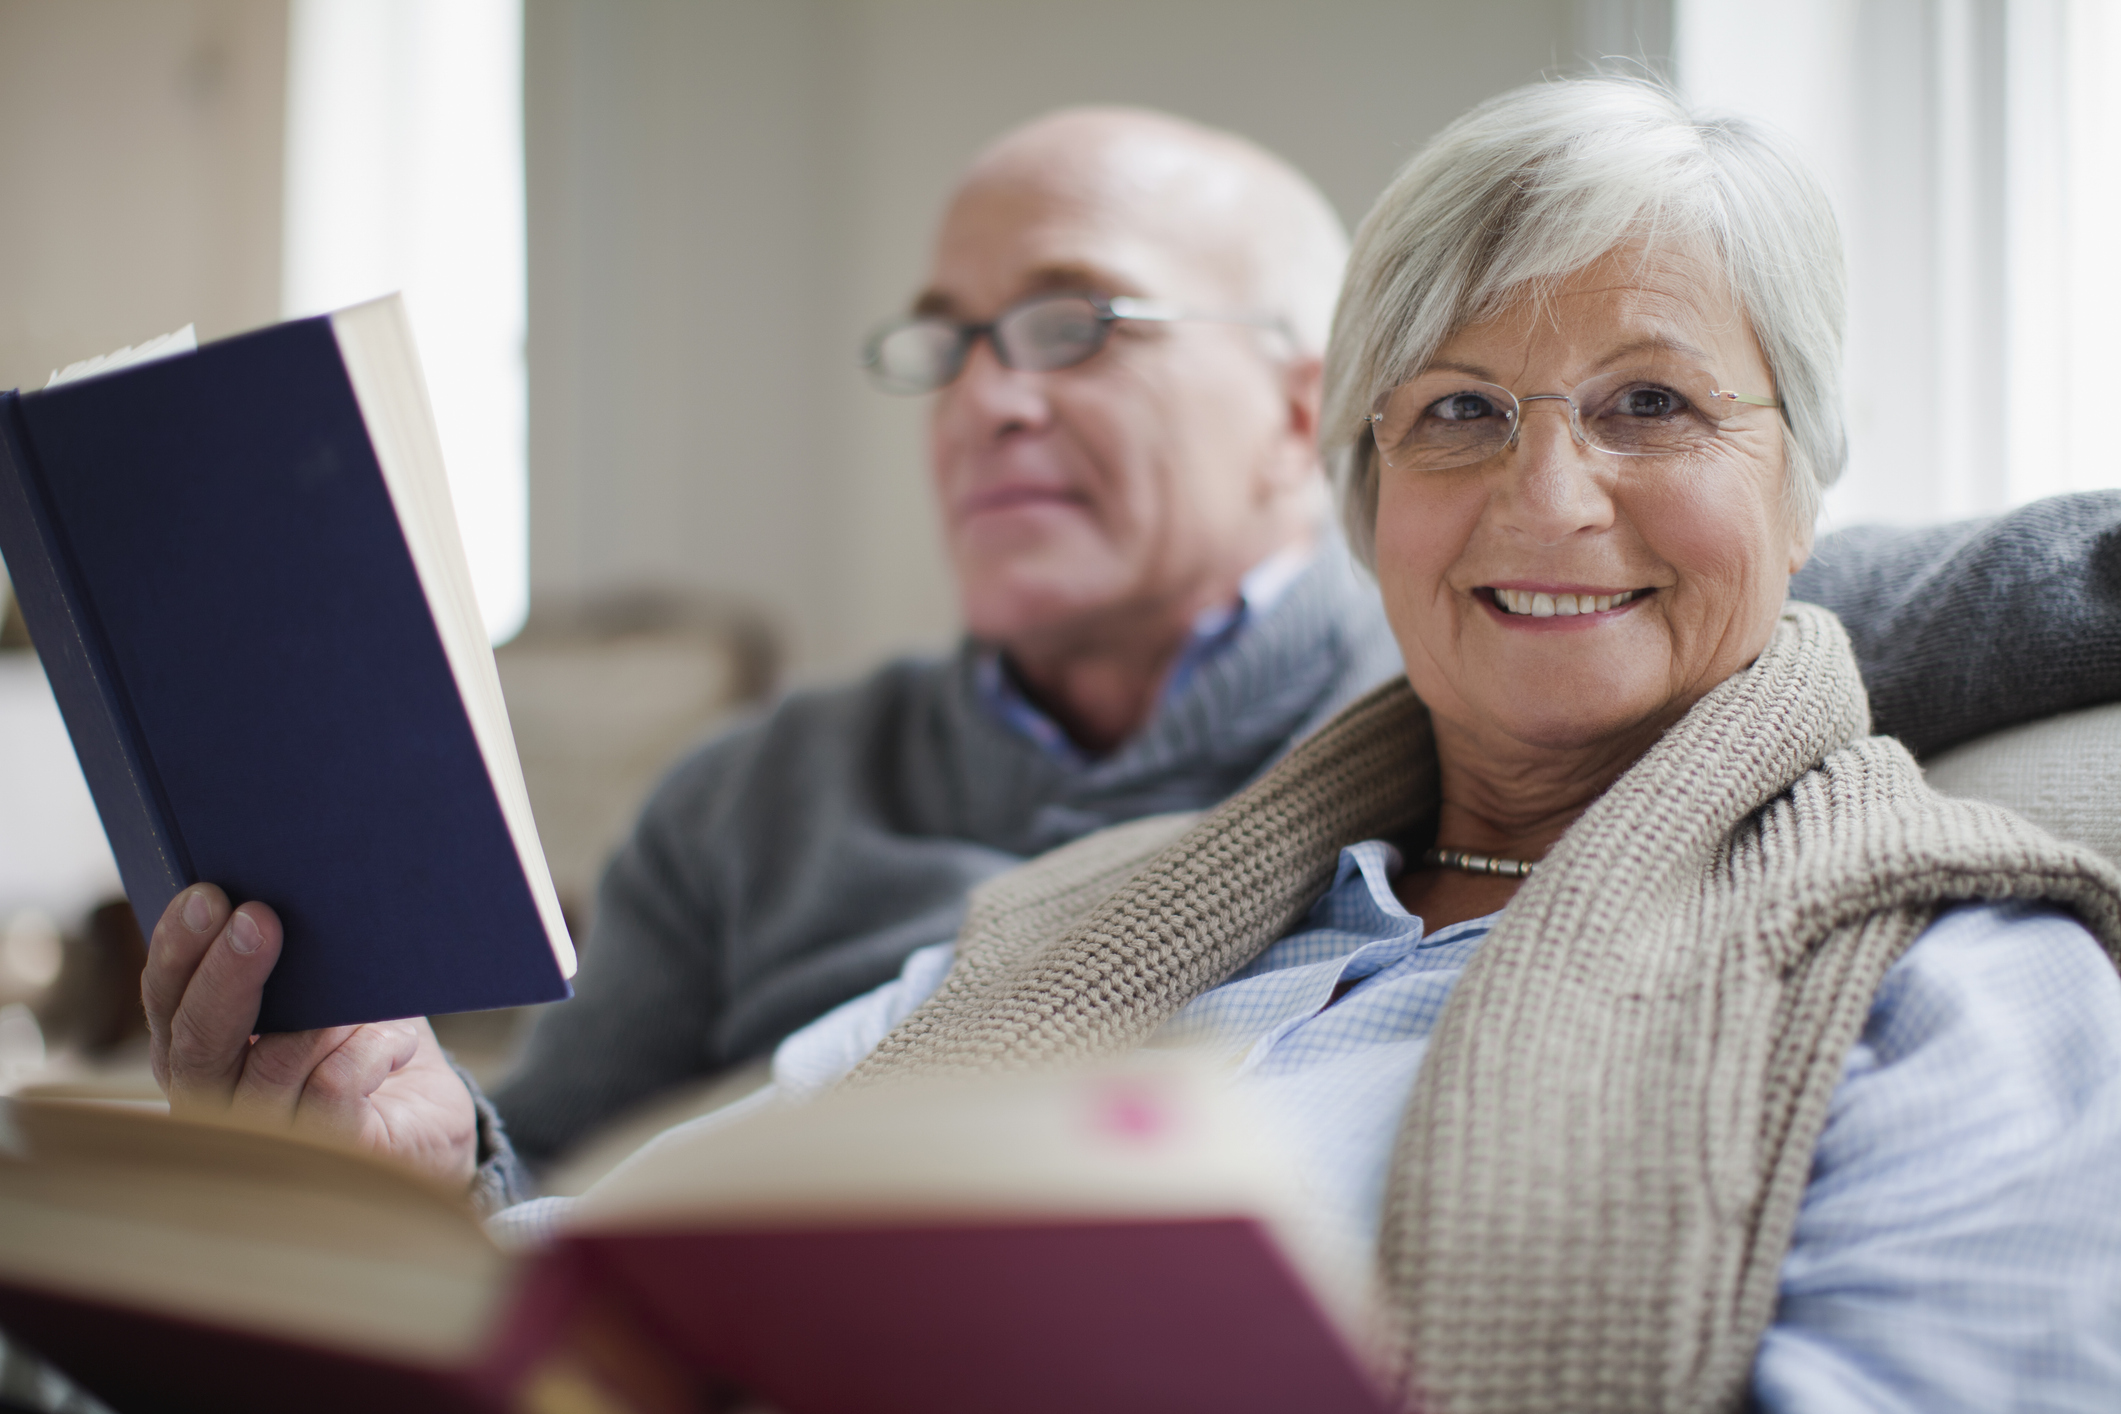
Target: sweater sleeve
x: 1967, y: 628
x: 775, y: 873
x: 501, y: 1179
x: 649, y: 985
x: 805, y: 1065
x: 644, y: 1000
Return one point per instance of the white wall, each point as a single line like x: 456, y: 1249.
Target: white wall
x: 725, y: 195
x: 140, y: 169
x: 141, y: 172
x: 677, y: 200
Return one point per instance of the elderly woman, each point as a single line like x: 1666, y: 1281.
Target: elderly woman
x: 1669, y: 1032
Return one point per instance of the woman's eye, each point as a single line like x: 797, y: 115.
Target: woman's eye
x: 1650, y: 402
x: 1462, y: 407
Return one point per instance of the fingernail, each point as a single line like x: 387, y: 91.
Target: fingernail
x: 243, y: 934
x: 198, y: 913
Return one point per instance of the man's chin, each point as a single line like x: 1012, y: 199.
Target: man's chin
x: 1023, y: 602
x: 1033, y: 528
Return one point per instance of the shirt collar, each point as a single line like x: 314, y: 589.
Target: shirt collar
x: 1214, y: 631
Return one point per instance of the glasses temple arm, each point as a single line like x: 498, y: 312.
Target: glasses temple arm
x: 1127, y: 307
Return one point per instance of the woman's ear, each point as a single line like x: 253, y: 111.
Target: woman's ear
x: 1800, y: 543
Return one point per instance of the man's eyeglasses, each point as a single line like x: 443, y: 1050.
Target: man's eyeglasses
x: 1040, y: 334
x: 1444, y: 420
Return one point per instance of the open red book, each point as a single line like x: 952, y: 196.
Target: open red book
x: 1112, y: 1242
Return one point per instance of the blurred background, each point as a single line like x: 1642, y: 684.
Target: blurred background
x: 641, y: 241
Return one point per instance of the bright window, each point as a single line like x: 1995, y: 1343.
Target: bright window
x: 1970, y: 147
x: 405, y: 172
x: 2063, y: 196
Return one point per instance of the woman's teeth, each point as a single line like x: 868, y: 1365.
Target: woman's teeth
x: 1547, y: 606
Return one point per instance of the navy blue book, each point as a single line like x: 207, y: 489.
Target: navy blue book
x: 242, y: 572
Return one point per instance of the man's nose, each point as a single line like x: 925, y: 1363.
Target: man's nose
x: 1551, y: 484
x: 998, y: 397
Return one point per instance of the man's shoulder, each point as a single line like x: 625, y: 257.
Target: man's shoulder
x: 823, y: 727
x: 914, y: 683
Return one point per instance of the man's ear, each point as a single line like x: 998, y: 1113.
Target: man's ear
x: 1303, y: 389
x: 1294, y: 463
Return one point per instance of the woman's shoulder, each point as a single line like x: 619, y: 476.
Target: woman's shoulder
x: 1961, y: 1194
x: 1863, y: 832
x: 1992, y: 1048
x: 2023, y: 980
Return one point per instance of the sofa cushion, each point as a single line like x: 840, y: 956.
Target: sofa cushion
x: 2063, y: 773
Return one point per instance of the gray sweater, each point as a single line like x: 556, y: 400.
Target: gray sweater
x: 793, y: 863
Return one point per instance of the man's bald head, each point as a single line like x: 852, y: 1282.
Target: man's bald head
x: 1096, y: 509
x: 1211, y: 199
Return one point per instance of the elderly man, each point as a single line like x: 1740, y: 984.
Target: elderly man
x: 1122, y: 331
x: 1122, y: 328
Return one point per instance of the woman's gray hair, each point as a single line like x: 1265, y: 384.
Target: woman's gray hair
x: 1536, y: 184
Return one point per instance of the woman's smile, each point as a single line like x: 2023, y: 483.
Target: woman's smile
x: 1561, y: 594
x: 1529, y: 607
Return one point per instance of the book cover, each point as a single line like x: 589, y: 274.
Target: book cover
x: 218, y: 574
x: 1129, y: 1242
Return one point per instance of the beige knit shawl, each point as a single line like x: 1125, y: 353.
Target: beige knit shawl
x: 1600, y: 1167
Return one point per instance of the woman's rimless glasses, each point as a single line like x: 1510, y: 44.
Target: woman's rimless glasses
x: 1443, y: 420
x: 1040, y: 334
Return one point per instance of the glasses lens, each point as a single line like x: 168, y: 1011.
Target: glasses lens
x: 916, y: 355
x: 1044, y: 334
x: 1652, y: 411
x: 1442, y: 421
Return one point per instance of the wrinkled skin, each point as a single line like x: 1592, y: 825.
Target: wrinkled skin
x: 1536, y: 717
x: 384, y: 1087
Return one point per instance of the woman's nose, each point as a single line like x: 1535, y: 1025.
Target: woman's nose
x: 1552, y: 484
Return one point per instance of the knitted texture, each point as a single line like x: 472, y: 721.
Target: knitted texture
x: 1967, y: 628
x: 793, y: 863
x: 1602, y: 1160
x: 1210, y: 902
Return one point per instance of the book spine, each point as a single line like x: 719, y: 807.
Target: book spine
x: 569, y: 1341
x: 77, y: 663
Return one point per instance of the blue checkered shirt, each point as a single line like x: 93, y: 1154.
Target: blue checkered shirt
x: 1213, y: 631
x: 1959, y: 1246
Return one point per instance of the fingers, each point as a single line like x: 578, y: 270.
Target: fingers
x: 385, y: 1087
x: 336, y: 1099
x: 210, y: 1028
x: 269, y: 1088
x: 321, y: 1080
x: 180, y: 940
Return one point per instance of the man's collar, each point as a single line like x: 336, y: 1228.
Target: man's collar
x: 1214, y: 630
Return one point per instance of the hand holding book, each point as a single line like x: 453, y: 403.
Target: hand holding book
x: 383, y: 1087
x: 368, y: 740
